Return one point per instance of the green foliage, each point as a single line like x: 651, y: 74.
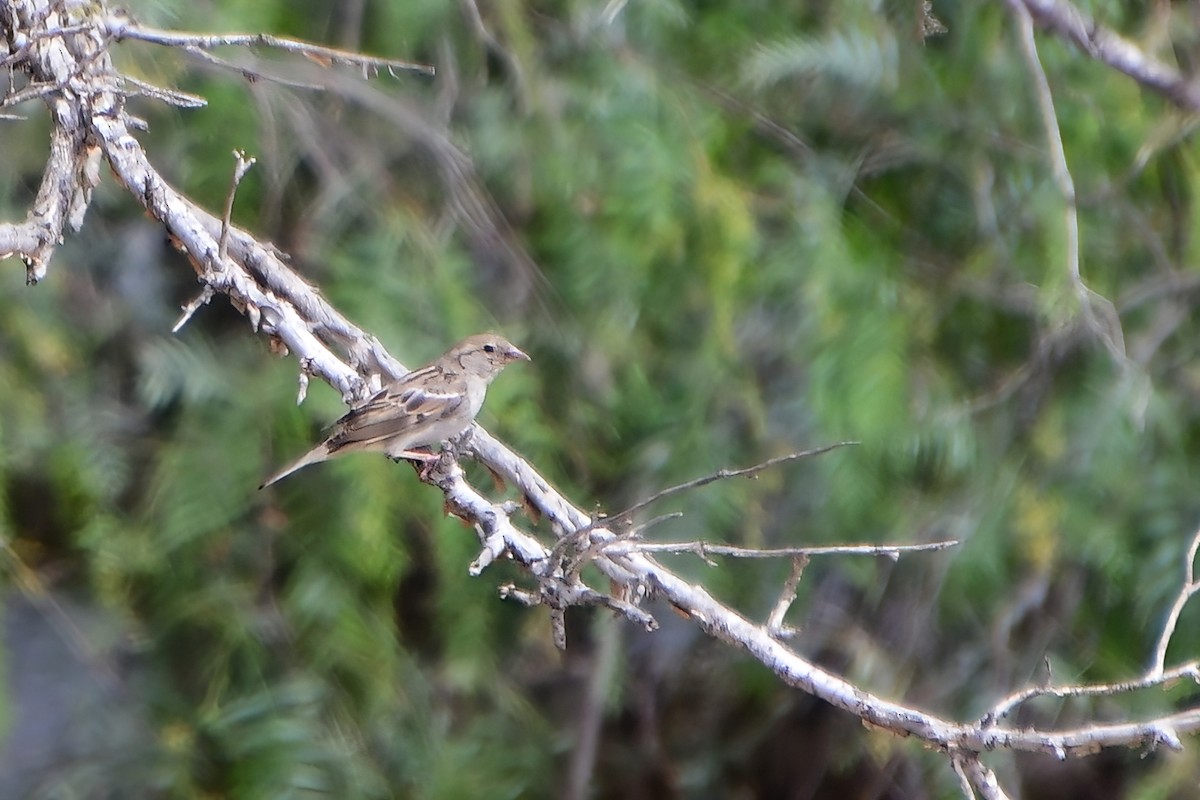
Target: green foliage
x: 725, y: 231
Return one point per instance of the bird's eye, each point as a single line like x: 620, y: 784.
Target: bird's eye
x: 489, y: 348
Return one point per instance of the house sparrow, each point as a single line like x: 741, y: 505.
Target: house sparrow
x: 426, y: 406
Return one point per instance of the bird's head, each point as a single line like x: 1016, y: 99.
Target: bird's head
x: 485, y: 354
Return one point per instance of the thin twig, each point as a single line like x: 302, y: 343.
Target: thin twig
x: 719, y: 475
x: 174, y: 97
x: 202, y: 299
x: 642, y: 527
x: 60, y: 32
x: 560, y: 594
x: 1006, y: 706
x: 242, y: 165
x: 612, y: 522
x: 704, y: 549
x: 1190, y: 587
x: 302, y: 387
x: 510, y: 591
x: 121, y: 27
x: 31, y: 92
x: 249, y: 73
x: 787, y: 596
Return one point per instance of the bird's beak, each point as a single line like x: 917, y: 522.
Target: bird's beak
x: 517, y: 355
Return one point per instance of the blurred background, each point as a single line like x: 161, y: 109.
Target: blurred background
x: 724, y: 231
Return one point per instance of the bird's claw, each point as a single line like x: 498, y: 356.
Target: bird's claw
x: 459, y: 443
x: 439, y: 463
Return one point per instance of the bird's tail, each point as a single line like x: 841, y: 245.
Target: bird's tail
x: 317, y: 454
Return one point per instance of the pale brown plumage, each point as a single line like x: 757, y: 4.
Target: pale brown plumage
x: 427, y: 406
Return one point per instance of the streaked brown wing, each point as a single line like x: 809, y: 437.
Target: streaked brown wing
x: 400, y: 411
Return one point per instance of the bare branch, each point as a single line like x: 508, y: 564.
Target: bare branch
x: 277, y: 302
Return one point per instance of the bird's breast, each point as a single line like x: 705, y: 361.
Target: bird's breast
x: 476, y: 390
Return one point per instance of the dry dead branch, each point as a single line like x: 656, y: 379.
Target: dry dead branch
x: 63, y: 52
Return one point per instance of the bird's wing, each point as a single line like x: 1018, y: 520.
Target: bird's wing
x: 402, y: 411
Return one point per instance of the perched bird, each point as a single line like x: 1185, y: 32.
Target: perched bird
x: 426, y: 406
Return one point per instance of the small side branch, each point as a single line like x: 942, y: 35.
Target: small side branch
x: 976, y: 779
x: 193, y: 305
x: 775, y: 626
x: 1190, y: 587
x: 242, y: 165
